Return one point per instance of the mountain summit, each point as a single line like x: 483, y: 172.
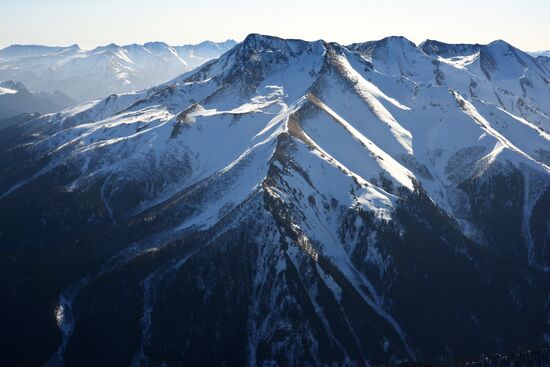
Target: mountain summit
x: 288, y: 203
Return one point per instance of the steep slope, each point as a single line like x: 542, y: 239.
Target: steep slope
x: 90, y: 74
x: 544, y: 61
x: 289, y: 203
x: 17, y: 119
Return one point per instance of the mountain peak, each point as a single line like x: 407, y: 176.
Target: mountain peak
x: 499, y: 43
x: 109, y: 47
x: 156, y: 45
x: 11, y: 84
x: 257, y: 37
x: 503, y: 47
x: 386, y: 43
x: 227, y: 43
x: 266, y: 41
x: 74, y: 46
x: 397, y: 39
x: 446, y: 50
x: 258, y: 43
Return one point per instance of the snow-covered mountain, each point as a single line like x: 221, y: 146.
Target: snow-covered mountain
x: 16, y: 99
x: 288, y: 203
x: 90, y: 74
x: 545, y: 61
x: 540, y: 53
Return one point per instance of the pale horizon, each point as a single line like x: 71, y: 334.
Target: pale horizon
x: 91, y: 24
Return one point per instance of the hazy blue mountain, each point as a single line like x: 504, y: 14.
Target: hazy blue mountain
x: 89, y: 74
x: 16, y: 99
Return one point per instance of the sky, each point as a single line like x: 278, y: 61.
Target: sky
x: 90, y: 23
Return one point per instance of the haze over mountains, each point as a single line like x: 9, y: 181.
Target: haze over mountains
x: 16, y: 99
x: 288, y: 203
x: 89, y: 74
x: 540, y: 53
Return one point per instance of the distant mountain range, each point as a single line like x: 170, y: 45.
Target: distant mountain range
x: 16, y: 99
x: 288, y: 203
x: 89, y: 74
x: 540, y: 53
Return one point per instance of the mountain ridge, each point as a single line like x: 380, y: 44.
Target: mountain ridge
x: 289, y: 202
x: 16, y: 99
x: 90, y: 74
x: 75, y: 46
